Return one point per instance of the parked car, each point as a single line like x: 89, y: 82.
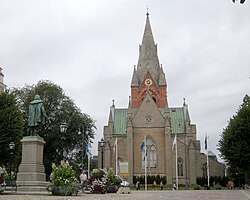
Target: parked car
x: 123, y: 183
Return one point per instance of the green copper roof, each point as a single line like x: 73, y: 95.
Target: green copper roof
x: 177, y: 120
x: 120, y: 116
x: 210, y: 153
x: 120, y: 119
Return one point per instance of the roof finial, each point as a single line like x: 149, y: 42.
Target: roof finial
x: 147, y: 12
x: 113, y: 103
x: 184, y: 102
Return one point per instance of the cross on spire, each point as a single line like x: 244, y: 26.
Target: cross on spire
x: 147, y: 11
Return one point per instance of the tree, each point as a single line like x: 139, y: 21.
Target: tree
x: 60, y: 109
x: 11, y: 129
x: 234, y: 143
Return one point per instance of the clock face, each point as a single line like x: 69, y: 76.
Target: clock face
x: 148, y: 82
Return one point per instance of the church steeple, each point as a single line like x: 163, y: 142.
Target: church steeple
x: 148, y: 76
x: 148, y: 58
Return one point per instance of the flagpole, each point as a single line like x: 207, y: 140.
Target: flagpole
x: 88, y: 161
x: 208, y: 175
x: 116, y: 157
x: 145, y: 146
x: 176, y: 164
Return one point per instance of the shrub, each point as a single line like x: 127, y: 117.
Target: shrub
x: 218, y: 186
x: 112, y: 179
x: 197, y: 187
x: 63, y: 181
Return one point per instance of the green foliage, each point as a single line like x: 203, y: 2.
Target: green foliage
x: 63, y: 179
x: 11, y: 129
x: 112, y: 179
x: 150, y: 179
x: 59, y: 108
x: 234, y: 143
x: 197, y: 187
x: 218, y: 186
x: 213, y: 180
x: 99, y: 173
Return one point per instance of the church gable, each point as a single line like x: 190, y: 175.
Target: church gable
x: 148, y: 114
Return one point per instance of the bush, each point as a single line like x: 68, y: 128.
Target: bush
x: 150, y: 179
x: 63, y: 181
x: 112, y: 179
x: 218, y: 186
x: 197, y: 187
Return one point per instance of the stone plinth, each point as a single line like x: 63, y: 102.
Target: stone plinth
x: 31, y: 176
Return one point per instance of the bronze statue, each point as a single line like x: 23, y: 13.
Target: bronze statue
x: 36, y: 116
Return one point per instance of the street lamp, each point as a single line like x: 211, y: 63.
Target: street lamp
x: 63, y: 129
x: 11, y: 148
x: 102, y: 144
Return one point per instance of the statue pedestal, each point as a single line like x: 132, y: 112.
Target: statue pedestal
x: 31, y: 176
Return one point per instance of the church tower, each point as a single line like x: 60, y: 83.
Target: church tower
x: 148, y: 76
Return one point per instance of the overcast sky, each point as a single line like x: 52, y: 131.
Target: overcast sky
x: 89, y: 48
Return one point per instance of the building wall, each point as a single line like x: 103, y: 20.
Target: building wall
x: 157, y: 134
x: 216, y: 168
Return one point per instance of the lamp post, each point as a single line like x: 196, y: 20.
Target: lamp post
x: 11, y: 148
x: 102, y: 144
x: 63, y: 129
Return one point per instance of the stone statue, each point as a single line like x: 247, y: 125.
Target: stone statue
x: 36, y: 116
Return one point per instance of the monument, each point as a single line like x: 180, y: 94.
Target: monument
x: 31, y: 174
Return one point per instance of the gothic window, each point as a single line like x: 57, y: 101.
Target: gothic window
x: 180, y: 166
x: 151, y: 156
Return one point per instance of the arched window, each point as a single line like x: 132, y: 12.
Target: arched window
x: 150, y: 155
x: 180, y: 166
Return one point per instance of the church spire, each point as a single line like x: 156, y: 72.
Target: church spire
x: 148, y: 58
x: 134, y: 81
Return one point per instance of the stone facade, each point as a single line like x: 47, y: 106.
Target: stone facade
x: 145, y: 131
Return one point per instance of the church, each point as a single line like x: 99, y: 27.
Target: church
x: 140, y: 138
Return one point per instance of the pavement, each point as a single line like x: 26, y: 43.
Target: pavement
x: 141, y: 195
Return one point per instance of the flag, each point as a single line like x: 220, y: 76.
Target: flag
x: 115, y: 145
x: 142, y: 145
x: 174, y: 142
x: 86, y: 150
x: 206, y: 142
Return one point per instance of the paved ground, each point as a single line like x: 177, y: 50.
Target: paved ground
x: 142, y: 195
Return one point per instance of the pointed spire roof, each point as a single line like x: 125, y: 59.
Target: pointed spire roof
x: 186, y: 113
x: 162, y: 79
x: 134, y: 81
x: 148, y: 58
x: 112, y: 112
